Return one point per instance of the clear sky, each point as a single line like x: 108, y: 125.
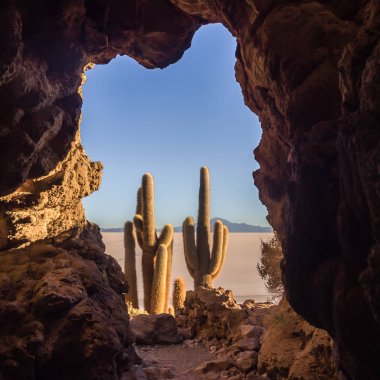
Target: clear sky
x: 170, y: 123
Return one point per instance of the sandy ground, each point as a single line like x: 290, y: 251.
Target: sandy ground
x: 239, y: 273
x: 178, y: 359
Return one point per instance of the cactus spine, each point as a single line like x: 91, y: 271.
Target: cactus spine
x: 130, y: 265
x: 179, y: 293
x: 154, y: 249
x: 203, y: 265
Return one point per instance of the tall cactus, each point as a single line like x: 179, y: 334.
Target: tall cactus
x: 150, y: 244
x: 130, y: 265
x: 204, y: 265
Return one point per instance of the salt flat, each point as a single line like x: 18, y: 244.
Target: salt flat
x: 239, y: 273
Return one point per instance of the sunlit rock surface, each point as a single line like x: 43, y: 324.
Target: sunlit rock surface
x: 47, y: 207
x: 309, y: 69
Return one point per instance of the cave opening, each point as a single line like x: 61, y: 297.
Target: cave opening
x: 170, y: 123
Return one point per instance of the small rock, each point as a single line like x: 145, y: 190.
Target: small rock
x: 186, y: 333
x: 212, y: 342
x: 246, y: 360
x: 234, y: 348
x: 213, y: 349
x: 249, y: 344
x: 189, y: 342
x: 217, y: 365
x: 246, y: 331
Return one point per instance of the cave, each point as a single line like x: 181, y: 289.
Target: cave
x: 309, y: 70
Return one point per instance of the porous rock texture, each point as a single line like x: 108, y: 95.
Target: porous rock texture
x: 61, y: 313
x: 309, y: 69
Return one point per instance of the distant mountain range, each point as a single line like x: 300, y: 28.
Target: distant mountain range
x: 232, y: 227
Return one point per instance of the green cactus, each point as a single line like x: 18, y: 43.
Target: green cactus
x: 130, y: 265
x: 179, y: 293
x: 145, y: 226
x: 204, y: 266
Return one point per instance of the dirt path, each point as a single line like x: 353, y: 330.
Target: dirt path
x: 173, y: 361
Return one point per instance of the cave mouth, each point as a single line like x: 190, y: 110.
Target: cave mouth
x: 308, y: 69
x: 170, y: 123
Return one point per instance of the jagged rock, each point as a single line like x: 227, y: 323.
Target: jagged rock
x: 55, y: 303
x: 155, y: 329
x: 212, y: 314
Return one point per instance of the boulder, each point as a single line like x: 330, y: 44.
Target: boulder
x: 155, y: 329
x: 249, y: 344
x: 246, y: 361
x: 212, y: 314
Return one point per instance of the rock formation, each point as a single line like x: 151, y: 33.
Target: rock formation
x: 293, y: 349
x: 61, y: 313
x: 310, y: 70
x: 254, y: 339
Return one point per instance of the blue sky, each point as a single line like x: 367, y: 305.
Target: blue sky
x: 170, y: 123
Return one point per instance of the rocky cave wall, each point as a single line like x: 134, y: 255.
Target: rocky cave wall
x: 309, y: 69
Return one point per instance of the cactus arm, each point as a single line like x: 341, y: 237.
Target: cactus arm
x: 166, y: 237
x: 159, y: 281
x: 139, y: 202
x: 137, y: 220
x: 217, y: 248
x: 139, y: 225
x: 188, y: 233
x: 225, y: 246
x: 149, y: 225
x: 189, y: 268
x: 168, y: 276
x: 203, y: 227
x: 130, y: 264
